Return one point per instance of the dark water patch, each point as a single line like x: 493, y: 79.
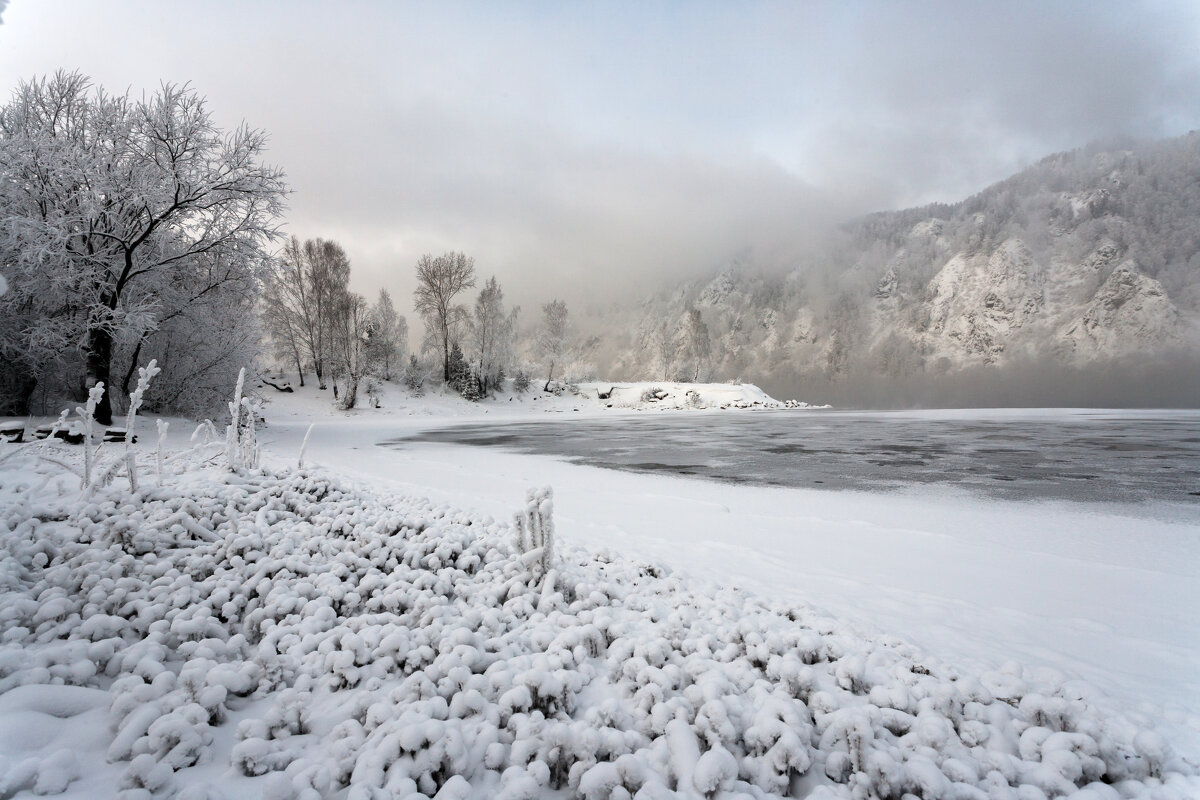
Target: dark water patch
x: 1123, y: 457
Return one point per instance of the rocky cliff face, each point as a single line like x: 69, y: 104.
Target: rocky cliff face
x: 1088, y: 258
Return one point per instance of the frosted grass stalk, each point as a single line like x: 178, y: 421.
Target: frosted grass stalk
x: 304, y: 445
x: 145, y: 375
x: 232, y: 452
x: 162, y: 436
x: 87, y: 416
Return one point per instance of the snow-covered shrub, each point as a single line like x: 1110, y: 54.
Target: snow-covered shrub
x: 362, y: 647
x: 414, y: 377
x: 521, y: 381
x: 371, y: 382
x: 653, y: 395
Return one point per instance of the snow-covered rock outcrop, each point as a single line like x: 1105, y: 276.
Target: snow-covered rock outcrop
x: 1129, y: 313
x: 1027, y: 271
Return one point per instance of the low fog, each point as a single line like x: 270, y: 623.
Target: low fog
x: 1169, y: 381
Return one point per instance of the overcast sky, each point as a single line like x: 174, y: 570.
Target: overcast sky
x: 581, y: 150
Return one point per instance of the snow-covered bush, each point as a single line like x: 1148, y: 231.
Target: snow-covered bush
x: 653, y: 394
x: 415, y: 376
x: 521, y: 381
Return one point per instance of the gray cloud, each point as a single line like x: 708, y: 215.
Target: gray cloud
x: 592, y: 151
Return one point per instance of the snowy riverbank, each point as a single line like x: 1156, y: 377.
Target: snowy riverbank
x: 368, y: 622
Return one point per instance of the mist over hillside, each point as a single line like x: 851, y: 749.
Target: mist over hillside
x: 1074, y: 282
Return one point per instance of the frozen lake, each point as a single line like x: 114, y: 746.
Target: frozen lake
x: 1090, y: 456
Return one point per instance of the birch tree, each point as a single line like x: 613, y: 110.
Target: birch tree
x: 349, y: 343
x: 551, y: 341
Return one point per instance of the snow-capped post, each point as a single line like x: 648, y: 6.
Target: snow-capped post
x: 145, y: 375
x: 162, y: 435
x: 304, y: 446
x: 87, y: 415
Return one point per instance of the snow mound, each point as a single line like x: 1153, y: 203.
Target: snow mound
x: 675, y: 396
x: 319, y: 639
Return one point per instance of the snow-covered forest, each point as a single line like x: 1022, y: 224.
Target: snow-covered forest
x: 138, y: 230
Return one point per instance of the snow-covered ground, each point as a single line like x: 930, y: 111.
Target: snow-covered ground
x: 367, y: 621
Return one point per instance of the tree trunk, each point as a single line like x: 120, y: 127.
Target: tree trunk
x: 99, y: 368
x: 445, y: 353
x: 299, y: 363
x: 133, y: 363
x: 16, y: 390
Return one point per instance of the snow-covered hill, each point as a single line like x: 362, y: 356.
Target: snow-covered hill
x: 1085, y: 260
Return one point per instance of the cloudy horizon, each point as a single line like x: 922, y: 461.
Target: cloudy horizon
x: 582, y: 151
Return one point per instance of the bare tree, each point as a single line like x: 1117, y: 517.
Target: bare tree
x: 303, y: 298
x: 551, y: 342
x: 439, y: 281
x: 284, y: 311
x: 327, y: 270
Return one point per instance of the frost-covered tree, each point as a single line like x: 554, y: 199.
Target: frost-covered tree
x: 115, y: 211
x: 551, y: 341
x: 439, y: 281
x: 492, y: 332
x: 389, y: 336
x: 415, y: 374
